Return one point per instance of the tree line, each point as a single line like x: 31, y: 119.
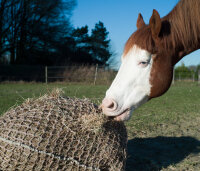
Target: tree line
x: 184, y: 72
x: 35, y: 32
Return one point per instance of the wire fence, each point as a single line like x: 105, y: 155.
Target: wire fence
x: 189, y: 76
x: 82, y: 74
x: 102, y: 75
x: 87, y: 74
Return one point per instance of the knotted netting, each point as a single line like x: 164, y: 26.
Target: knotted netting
x: 60, y: 133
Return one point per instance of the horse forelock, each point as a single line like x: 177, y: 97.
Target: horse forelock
x: 141, y: 38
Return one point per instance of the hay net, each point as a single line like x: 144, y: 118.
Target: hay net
x: 60, y: 133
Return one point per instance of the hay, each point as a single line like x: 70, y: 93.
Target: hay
x: 57, y: 133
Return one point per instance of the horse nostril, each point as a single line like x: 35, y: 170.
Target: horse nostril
x: 112, y: 105
x: 109, y: 104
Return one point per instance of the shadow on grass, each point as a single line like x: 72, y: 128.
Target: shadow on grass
x: 159, y: 152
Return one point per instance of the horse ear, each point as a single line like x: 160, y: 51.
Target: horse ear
x: 140, y: 21
x: 155, y: 24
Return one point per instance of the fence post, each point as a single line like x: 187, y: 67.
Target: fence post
x: 193, y: 77
x: 95, y: 76
x: 173, y: 76
x: 46, y: 74
x: 199, y: 77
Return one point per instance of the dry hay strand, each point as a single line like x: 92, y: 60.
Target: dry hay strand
x: 61, y: 133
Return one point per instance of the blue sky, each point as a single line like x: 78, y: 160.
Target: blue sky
x: 120, y: 16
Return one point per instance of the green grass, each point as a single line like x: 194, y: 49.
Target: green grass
x: 15, y: 93
x: 181, y: 101
x: 164, y: 134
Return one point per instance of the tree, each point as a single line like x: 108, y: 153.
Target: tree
x: 91, y: 49
x: 81, y: 36
x: 197, y: 72
x: 48, y: 25
x: 183, y: 72
x: 99, y: 44
x: 82, y: 46
x: 34, y: 30
x: 6, y: 21
x: 2, y: 22
x: 39, y: 32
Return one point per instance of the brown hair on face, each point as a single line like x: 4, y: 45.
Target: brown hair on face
x: 141, y: 38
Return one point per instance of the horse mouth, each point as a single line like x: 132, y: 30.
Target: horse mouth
x: 124, y: 116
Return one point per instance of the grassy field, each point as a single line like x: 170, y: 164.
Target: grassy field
x: 164, y: 134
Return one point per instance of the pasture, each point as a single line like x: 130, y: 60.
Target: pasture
x: 164, y: 134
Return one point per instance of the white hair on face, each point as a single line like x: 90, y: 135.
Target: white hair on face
x: 131, y: 87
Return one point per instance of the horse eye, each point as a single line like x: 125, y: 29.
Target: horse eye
x: 143, y: 63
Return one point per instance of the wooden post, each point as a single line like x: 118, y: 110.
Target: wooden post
x: 46, y: 75
x: 193, y: 77
x: 96, y: 72
x: 199, y: 77
x: 173, y: 81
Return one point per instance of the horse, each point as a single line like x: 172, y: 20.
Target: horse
x: 149, y: 57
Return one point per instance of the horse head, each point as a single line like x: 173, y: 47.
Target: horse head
x: 146, y: 70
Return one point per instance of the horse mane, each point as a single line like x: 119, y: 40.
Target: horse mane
x: 181, y: 27
x: 184, y: 22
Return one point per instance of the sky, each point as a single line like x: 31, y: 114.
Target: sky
x: 119, y: 18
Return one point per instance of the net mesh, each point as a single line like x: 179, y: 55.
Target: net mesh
x: 60, y: 133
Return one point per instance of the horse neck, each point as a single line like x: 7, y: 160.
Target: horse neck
x: 184, y: 27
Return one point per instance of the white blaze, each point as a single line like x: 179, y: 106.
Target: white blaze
x: 131, y: 87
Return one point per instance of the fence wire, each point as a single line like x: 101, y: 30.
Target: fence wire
x: 83, y: 74
x: 87, y: 74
